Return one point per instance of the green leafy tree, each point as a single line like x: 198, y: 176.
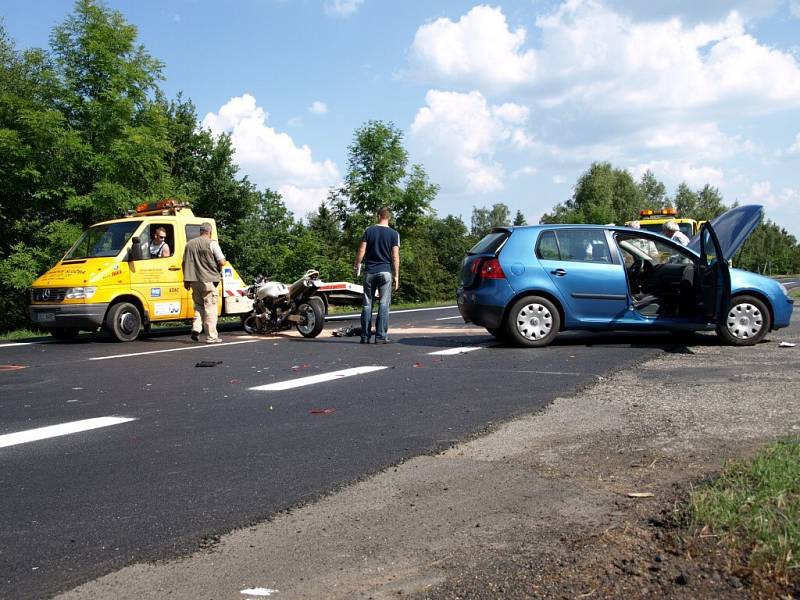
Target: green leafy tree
x: 653, y: 192
x: 686, y: 201
x: 481, y: 222
x: 519, y: 219
x: 603, y: 194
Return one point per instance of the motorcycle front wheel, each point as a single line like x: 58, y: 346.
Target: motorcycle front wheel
x: 312, y: 319
x: 250, y: 324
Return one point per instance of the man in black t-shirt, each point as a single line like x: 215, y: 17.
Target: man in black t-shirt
x: 380, y: 251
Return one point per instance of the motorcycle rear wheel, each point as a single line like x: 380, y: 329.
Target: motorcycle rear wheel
x: 251, y: 324
x: 312, y: 319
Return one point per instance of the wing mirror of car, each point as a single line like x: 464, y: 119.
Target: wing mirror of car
x: 136, y: 249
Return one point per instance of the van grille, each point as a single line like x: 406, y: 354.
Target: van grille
x: 49, y: 294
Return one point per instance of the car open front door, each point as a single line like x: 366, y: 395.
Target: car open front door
x: 715, y: 278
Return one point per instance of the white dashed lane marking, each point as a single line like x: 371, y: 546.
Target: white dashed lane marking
x: 43, y: 433
x: 314, y: 379
x: 460, y: 350
x: 448, y: 318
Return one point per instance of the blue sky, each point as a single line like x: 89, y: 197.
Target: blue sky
x: 503, y: 102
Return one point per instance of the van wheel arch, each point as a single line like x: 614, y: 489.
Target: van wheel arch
x: 124, y: 319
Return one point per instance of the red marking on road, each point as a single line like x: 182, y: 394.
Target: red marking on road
x: 12, y: 367
x: 322, y: 411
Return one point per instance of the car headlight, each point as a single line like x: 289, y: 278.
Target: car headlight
x: 78, y: 293
x: 786, y: 291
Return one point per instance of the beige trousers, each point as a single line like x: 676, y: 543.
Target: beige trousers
x: 206, y: 299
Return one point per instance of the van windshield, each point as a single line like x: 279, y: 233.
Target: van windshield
x: 102, y: 240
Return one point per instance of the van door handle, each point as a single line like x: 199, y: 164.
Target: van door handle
x: 558, y: 272
x: 174, y: 268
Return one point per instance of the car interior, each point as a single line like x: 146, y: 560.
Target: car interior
x: 661, y: 280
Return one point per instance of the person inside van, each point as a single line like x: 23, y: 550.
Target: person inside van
x: 158, y: 245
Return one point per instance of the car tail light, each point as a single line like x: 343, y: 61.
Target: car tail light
x: 491, y: 269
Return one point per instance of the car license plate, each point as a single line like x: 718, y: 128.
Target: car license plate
x: 45, y: 317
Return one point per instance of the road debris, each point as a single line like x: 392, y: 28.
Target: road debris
x: 786, y: 345
x: 208, y: 363
x: 322, y: 411
x: 640, y: 495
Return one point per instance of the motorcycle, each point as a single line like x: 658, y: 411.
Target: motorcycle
x: 277, y: 306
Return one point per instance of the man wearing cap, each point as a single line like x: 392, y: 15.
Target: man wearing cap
x: 202, y: 262
x: 673, y: 231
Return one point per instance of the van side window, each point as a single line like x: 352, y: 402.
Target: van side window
x: 548, y: 246
x: 192, y: 231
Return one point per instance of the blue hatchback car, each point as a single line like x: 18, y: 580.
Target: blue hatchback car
x: 525, y: 284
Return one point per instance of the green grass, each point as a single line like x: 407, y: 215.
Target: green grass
x: 795, y: 292
x: 754, y: 507
x: 22, y: 334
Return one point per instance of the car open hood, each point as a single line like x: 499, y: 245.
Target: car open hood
x: 732, y: 228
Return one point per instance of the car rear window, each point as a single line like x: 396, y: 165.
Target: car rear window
x: 490, y: 243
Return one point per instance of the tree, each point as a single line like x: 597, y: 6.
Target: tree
x: 653, y: 192
x: 603, y: 194
x: 685, y: 201
x: 481, y: 222
x: 377, y: 176
x: 519, y: 219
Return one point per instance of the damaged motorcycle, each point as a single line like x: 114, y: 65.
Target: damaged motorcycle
x: 277, y: 306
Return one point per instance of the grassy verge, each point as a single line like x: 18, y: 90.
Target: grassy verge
x: 754, y: 509
x: 795, y: 292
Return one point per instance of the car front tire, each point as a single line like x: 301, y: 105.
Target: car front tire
x: 124, y: 321
x: 745, y: 323
x: 533, y: 321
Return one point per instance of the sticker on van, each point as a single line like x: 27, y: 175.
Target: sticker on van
x: 167, y: 308
x: 155, y: 292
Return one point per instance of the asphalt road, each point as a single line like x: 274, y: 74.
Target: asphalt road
x: 205, y: 453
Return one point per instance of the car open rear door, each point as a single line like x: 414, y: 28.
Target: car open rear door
x: 715, y: 279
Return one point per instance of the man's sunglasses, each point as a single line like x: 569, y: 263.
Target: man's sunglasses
x: 162, y: 237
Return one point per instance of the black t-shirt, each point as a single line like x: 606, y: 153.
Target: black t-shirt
x: 380, y: 241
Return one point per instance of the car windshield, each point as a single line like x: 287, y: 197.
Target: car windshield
x: 490, y: 243
x: 102, y: 240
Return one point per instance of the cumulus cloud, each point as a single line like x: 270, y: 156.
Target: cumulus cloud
x: 341, y: 8
x: 318, y: 107
x: 478, y: 49
x: 794, y: 8
x: 592, y: 55
x: 460, y: 133
x: 795, y: 148
x: 271, y: 158
x: 679, y: 171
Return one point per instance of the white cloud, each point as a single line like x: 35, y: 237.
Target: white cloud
x: 795, y: 148
x: 526, y: 171
x: 271, y: 158
x: 703, y: 141
x: 592, y: 56
x: 783, y: 202
x: 479, y: 49
x: 559, y: 179
x: 459, y: 135
x: 679, y: 171
x: 794, y: 8
x: 318, y: 107
x: 342, y: 8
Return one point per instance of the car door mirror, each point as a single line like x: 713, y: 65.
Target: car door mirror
x: 135, y: 252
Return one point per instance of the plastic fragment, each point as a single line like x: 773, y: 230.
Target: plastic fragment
x: 786, y: 345
x: 640, y: 495
x: 208, y: 363
x: 322, y: 411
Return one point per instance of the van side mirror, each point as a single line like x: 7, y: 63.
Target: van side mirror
x: 136, y: 249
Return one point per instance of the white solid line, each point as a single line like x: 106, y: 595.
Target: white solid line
x: 194, y: 347
x: 446, y: 318
x: 392, y: 312
x: 313, y: 379
x: 42, y: 433
x: 12, y: 344
x: 461, y: 350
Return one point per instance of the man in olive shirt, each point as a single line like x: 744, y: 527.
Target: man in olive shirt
x: 202, y: 262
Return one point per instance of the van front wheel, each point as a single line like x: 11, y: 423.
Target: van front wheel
x: 124, y: 321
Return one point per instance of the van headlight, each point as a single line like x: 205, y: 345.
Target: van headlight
x: 80, y: 293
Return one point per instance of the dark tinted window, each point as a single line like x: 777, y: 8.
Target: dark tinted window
x: 548, y: 246
x: 192, y: 231
x: 490, y: 243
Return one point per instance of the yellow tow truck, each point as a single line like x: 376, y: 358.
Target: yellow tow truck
x: 109, y: 279
x: 652, y: 220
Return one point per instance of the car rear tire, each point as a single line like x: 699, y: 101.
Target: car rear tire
x: 124, y: 321
x: 312, y: 318
x: 65, y: 334
x: 532, y: 321
x: 746, y: 322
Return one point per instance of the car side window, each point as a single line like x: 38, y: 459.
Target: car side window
x: 584, y: 245
x: 548, y: 246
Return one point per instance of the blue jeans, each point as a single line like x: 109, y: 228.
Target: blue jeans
x: 383, y: 283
